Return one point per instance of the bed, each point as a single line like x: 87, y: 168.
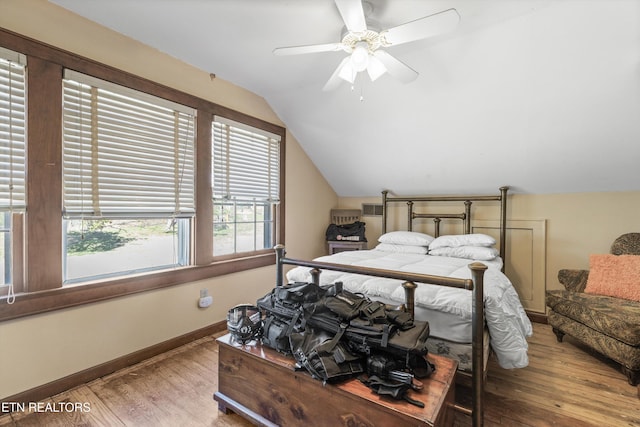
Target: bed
x: 431, y: 275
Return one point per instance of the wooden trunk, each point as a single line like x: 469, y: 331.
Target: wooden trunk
x: 263, y: 386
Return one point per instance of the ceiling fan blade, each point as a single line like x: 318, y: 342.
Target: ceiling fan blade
x: 352, y: 14
x: 297, y: 50
x: 335, y: 79
x: 422, y: 28
x: 395, y: 67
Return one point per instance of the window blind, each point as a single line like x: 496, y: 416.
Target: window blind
x: 246, y: 162
x: 12, y: 130
x: 125, y: 152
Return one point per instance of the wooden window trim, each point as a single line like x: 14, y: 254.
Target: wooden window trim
x: 70, y: 296
x: 42, y: 288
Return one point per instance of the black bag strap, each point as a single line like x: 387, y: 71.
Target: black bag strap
x: 304, y: 361
x: 385, y: 336
x: 292, y: 323
x: 330, y: 345
x: 397, y: 390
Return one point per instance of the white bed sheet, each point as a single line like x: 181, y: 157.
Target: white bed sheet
x: 507, y: 321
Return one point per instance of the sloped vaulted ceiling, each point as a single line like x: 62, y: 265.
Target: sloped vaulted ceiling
x: 543, y: 96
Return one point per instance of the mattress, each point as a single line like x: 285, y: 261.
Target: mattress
x: 448, y: 310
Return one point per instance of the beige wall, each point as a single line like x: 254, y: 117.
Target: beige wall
x: 578, y: 224
x: 42, y: 348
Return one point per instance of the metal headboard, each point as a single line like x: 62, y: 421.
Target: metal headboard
x: 465, y: 216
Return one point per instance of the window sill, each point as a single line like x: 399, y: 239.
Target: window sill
x: 27, y: 304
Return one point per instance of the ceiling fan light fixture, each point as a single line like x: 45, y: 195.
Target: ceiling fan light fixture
x: 347, y: 72
x: 375, y: 68
x: 360, y: 56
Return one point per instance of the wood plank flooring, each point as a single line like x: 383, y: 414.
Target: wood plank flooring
x: 565, y: 385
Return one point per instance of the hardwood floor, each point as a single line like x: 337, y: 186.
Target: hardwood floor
x: 564, y: 385
x: 172, y: 389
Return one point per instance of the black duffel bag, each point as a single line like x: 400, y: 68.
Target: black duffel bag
x: 351, y: 232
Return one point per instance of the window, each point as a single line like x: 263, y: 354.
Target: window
x: 125, y: 177
x: 246, y: 187
x: 128, y: 180
x: 12, y: 156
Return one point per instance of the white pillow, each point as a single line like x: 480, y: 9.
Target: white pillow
x: 455, y: 240
x: 411, y: 238
x: 479, y: 253
x: 402, y: 249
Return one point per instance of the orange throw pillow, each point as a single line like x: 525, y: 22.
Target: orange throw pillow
x: 615, y: 276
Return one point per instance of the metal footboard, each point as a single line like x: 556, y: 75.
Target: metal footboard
x: 475, y: 285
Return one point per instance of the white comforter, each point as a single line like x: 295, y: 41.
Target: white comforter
x: 507, y: 321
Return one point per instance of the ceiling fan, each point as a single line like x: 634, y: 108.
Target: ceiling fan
x: 365, y: 43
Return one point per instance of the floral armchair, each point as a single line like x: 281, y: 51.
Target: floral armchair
x: 601, y: 307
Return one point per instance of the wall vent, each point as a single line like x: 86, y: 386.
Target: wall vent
x: 371, y: 209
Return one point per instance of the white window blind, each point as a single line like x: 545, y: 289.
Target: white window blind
x: 246, y: 162
x: 125, y: 152
x: 12, y: 130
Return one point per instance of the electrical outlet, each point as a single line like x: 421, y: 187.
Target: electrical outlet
x: 205, y: 299
x: 205, y: 302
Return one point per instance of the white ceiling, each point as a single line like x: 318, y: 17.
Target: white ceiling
x: 543, y: 96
